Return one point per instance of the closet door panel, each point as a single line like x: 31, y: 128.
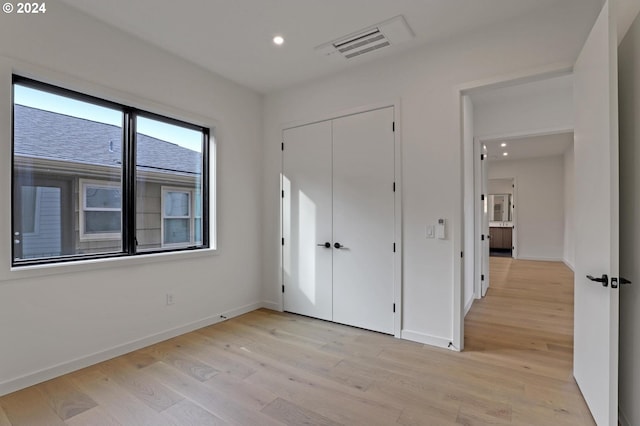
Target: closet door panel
x: 307, y: 223
x: 363, y: 220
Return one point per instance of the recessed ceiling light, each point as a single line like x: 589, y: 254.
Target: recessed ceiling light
x: 505, y: 154
x: 278, y: 40
x: 503, y: 144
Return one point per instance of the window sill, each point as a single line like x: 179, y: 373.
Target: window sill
x: 34, y: 271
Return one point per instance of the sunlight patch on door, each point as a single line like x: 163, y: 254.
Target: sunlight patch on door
x: 307, y: 246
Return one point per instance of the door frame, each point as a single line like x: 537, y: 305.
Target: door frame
x: 467, y: 186
x: 397, y: 273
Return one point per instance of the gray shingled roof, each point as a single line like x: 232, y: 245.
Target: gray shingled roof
x: 53, y: 136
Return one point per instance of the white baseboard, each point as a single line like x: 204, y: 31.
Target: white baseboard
x: 569, y: 264
x: 274, y: 306
x: 48, y: 373
x: 541, y: 259
x: 426, y: 339
x: 468, y: 306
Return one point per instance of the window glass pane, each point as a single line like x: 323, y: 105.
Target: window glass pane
x: 176, y: 231
x: 99, y: 222
x: 176, y: 204
x: 197, y: 231
x: 103, y: 198
x: 29, y: 206
x: 169, y: 164
x: 58, y: 141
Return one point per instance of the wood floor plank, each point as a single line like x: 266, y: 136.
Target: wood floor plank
x: 233, y: 411
x: 4, y: 420
x: 65, y: 398
x: 204, y: 349
x: 117, y: 401
x: 28, y: 407
x: 295, y: 415
x: 96, y: 416
x: 171, y: 352
x: 146, y: 388
x: 186, y: 413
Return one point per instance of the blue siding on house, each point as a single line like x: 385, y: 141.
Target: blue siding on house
x: 46, y: 240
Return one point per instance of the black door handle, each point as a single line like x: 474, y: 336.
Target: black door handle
x: 325, y: 245
x: 338, y: 246
x: 624, y: 281
x: 604, y: 280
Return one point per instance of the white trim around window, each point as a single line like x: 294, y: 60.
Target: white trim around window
x: 179, y: 213
x: 86, y: 185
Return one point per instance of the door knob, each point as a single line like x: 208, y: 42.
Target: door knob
x: 338, y: 246
x: 604, y: 280
x: 325, y: 245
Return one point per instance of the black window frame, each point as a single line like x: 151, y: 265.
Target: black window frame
x: 128, y: 176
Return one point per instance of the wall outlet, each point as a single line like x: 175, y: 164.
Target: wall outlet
x: 170, y: 299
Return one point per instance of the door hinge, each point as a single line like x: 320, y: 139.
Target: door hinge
x: 394, y: 247
x: 461, y: 254
x: 282, y: 193
x: 482, y: 237
x: 482, y: 197
x: 482, y: 277
x: 394, y: 307
x: 394, y: 187
x: 282, y: 146
x: 283, y: 241
x: 283, y: 288
x: 481, y: 157
x: 393, y: 126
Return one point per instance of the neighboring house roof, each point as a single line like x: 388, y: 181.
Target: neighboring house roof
x: 52, y: 136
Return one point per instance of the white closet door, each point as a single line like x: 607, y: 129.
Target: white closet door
x: 363, y: 220
x: 306, y: 214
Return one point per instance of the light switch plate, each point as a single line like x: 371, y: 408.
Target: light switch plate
x: 431, y: 231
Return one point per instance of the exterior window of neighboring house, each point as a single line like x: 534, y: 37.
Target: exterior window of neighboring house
x: 101, y: 213
x: 179, y: 226
x: 85, y: 186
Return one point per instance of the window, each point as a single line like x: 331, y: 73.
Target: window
x: 86, y: 186
x: 101, y: 213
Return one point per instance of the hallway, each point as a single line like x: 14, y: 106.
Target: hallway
x: 525, y: 328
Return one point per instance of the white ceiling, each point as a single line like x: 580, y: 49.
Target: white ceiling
x: 233, y: 37
x: 529, y: 147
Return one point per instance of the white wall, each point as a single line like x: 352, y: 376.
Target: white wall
x: 526, y: 112
x: 569, y: 211
x: 629, y: 101
x: 539, y: 204
x: 56, y: 319
x: 500, y: 186
x: 424, y: 81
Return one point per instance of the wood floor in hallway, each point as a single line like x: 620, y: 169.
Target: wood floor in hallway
x: 269, y: 368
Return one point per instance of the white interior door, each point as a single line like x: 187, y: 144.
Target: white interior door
x: 596, y: 218
x: 306, y: 214
x: 485, y: 224
x: 363, y: 215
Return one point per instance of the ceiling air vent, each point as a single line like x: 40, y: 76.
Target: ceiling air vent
x: 384, y: 34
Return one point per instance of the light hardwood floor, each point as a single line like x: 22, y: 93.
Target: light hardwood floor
x: 268, y: 368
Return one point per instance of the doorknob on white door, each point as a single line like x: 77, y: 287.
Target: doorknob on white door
x: 325, y: 245
x: 339, y: 246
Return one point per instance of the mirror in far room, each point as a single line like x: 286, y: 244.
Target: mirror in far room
x: 500, y: 207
